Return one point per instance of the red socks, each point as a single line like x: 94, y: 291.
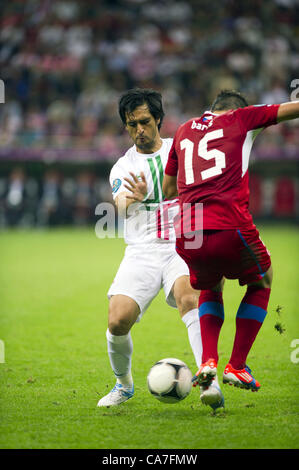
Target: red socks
x: 211, y: 316
x: 250, y: 317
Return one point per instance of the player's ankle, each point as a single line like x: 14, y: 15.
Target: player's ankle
x: 237, y: 365
x: 125, y: 380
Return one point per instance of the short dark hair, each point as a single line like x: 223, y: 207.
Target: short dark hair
x: 228, y: 99
x: 139, y: 96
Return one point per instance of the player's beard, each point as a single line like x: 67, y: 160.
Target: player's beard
x: 146, y: 146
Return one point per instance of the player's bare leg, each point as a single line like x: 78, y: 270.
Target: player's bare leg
x: 123, y: 313
x: 250, y: 317
x: 187, y: 302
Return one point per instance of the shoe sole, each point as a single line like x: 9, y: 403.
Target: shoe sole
x: 209, y: 400
x: 237, y: 383
x: 206, y: 376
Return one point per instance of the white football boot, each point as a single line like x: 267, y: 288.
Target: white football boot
x: 211, y: 395
x: 117, y: 395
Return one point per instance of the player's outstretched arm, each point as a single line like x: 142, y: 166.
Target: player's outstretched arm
x: 289, y: 110
x: 169, y: 187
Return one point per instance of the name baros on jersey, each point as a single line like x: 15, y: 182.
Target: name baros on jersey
x: 203, y: 127
x: 150, y: 221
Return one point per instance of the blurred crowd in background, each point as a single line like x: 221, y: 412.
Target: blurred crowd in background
x: 65, y: 64
x: 52, y: 200
x: 56, y: 199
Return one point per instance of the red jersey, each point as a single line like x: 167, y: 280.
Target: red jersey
x: 210, y: 156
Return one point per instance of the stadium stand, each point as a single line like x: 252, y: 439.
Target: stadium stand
x: 65, y: 63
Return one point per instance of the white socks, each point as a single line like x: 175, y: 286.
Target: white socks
x: 120, y: 349
x: 191, y: 321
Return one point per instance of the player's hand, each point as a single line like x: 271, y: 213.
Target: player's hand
x: 137, y: 188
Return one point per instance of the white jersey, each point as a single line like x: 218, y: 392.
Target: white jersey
x: 152, y: 220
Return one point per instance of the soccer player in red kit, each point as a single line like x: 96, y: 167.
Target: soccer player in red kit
x: 208, y: 164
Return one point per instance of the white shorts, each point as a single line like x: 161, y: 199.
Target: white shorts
x: 144, y: 270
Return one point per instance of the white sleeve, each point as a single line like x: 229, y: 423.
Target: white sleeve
x: 116, y: 178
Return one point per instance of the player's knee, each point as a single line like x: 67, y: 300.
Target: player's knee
x: 186, y: 302
x: 118, y: 325
x: 121, y: 317
x: 267, y: 279
x: 265, y: 282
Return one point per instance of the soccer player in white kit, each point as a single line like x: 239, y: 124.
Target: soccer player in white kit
x: 150, y: 261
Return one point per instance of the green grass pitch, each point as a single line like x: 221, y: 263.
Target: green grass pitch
x: 53, y: 319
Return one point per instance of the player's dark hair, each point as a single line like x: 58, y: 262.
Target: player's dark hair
x: 130, y: 100
x: 228, y: 99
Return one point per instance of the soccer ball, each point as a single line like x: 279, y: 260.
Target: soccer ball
x: 169, y: 380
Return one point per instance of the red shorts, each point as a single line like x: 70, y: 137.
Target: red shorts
x: 234, y: 254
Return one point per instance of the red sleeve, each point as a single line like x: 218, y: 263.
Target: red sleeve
x: 255, y: 117
x: 172, y: 163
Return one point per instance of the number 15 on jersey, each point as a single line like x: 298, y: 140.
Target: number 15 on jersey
x: 203, y: 152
